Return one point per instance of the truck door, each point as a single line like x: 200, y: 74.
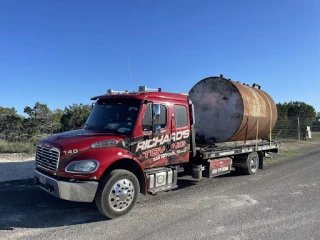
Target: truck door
x: 152, y: 149
x: 180, y: 145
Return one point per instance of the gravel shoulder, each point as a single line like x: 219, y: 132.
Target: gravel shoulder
x: 16, y: 166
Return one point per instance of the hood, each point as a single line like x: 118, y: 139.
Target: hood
x: 79, y: 139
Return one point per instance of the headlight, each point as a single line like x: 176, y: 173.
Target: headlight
x: 83, y: 166
x: 104, y: 144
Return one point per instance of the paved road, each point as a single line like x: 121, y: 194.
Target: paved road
x: 280, y: 202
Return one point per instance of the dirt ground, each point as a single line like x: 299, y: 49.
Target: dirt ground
x: 291, y: 148
x: 16, y: 157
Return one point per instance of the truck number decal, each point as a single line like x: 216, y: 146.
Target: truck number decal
x: 72, y: 151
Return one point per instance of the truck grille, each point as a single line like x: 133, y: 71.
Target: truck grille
x: 47, y: 158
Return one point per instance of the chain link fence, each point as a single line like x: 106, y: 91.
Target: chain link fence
x: 295, y: 128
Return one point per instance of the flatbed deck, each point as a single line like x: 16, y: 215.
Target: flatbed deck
x: 212, y: 151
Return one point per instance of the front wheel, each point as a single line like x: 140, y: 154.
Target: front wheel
x: 117, y: 193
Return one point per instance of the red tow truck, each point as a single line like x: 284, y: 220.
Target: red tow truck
x: 136, y: 143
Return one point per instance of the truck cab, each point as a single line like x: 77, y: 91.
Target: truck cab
x: 131, y: 143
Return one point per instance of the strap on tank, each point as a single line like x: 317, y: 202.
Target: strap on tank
x: 246, y: 135
x: 270, y: 117
x: 257, y: 134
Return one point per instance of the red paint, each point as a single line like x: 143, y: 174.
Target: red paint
x: 82, y: 140
x: 220, y: 166
x: 144, y: 148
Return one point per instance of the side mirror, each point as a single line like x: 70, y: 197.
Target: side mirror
x: 156, y: 114
x: 156, y: 118
x: 157, y: 129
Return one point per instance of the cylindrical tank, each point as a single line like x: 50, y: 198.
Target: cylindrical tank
x: 225, y: 111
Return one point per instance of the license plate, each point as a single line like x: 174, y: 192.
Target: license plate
x: 42, y: 180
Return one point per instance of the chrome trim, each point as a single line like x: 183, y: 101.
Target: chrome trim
x: 47, y: 157
x: 83, y: 191
x: 121, y: 195
x: 88, y: 160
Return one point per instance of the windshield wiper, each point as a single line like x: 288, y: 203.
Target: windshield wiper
x: 88, y: 126
x: 111, y: 129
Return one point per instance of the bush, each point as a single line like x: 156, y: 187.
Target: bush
x: 17, y: 147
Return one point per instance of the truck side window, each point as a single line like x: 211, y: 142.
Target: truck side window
x: 163, y: 116
x: 147, y: 118
x: 180, y: 113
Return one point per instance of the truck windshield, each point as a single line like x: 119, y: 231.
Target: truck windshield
x: 113, y: 116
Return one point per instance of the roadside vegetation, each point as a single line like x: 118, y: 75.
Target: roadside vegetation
x: 292, y: 148
x: 20, y: 134
x: 17, y: 147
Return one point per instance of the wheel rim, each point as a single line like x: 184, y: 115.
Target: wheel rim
x: 121, y: 195
x: 253, y: 164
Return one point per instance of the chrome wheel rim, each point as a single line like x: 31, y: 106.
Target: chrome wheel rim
x: 253, y: 164
x: 121, y: 195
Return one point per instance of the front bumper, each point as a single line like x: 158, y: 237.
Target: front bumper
x: 72, y: 191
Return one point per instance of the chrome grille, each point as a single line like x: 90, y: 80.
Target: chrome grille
x: 47, y: 158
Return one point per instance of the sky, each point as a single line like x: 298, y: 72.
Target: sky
x: 64, y: 52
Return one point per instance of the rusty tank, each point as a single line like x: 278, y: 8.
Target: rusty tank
x: 226, y: 111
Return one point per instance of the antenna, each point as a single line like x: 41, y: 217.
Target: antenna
x: 129, y: 68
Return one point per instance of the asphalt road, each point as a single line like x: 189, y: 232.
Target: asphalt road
x: 280, y: 202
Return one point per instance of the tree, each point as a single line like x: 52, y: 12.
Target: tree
x: 301, y: 109
x: 10, y: 124
x: 7, y: 111
x: 75, y: 116
x: 39, y: 118
x: 282, y: 109
x: 55, y: 120
x: 296, y: 109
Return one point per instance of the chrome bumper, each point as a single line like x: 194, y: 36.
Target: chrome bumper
x: 72, y: 191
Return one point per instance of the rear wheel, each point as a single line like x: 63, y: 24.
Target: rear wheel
x: 117, y: 193
x: 252, y: 164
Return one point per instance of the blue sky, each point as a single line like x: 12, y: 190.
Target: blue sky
x: 64, y: 52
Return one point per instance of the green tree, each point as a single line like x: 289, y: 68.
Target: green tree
x: 301, y: 109
x: 55, y: 120
x: 11, y: 126
x: 282, y: 109
x: 7, y: 111
x: 296, y: 109
x: 75, y: 116
x: 39, y: 119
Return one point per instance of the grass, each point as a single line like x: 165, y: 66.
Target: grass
x: 17, y: 147
x: 291, y: 148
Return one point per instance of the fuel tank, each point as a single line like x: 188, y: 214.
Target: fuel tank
x: 226, y: 110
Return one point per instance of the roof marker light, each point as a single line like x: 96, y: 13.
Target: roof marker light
x: 111, y: 91
x: 145, y: 89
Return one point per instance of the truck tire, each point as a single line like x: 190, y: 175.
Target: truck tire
x: 117, y: 193
x: 252, y: 164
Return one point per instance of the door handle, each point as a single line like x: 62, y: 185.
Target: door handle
x: 168, y: 146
